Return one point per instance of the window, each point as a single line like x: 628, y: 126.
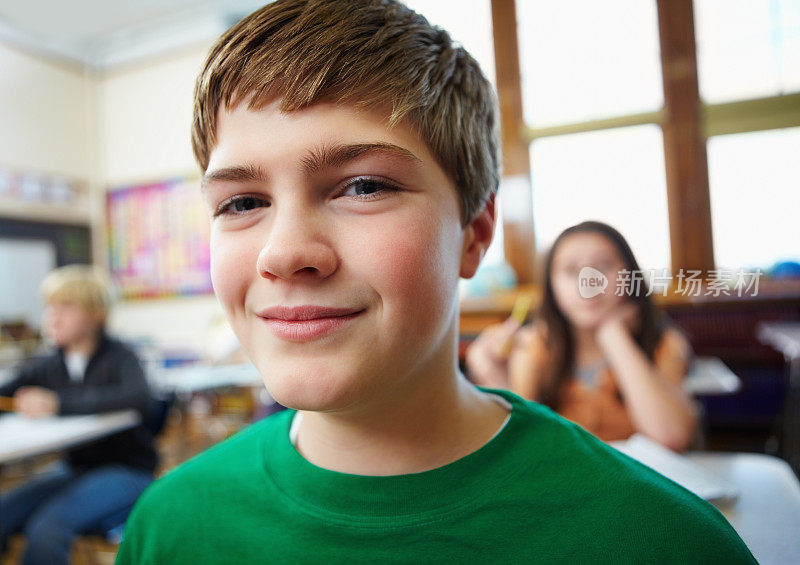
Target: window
x: 615, y: 176
x: 755, y: 201
x: 747, y: 49
x: 583, y: 60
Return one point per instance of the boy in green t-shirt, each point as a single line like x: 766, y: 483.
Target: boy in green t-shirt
x: 350, y: 162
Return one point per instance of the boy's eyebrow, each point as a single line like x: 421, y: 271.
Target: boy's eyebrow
x: 317, y: 160
x: 239, y: 173
x: 337, y: 155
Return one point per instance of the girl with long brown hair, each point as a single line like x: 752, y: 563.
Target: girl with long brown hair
x: 606, y: 359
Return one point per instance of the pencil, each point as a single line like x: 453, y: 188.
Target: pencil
x: 521, y: 308
x: 520, y: 311
x: 6, y: 403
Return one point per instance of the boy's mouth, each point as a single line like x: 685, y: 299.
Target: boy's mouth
x: 306, y: 323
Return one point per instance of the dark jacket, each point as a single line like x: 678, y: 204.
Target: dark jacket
x: 114, y: 380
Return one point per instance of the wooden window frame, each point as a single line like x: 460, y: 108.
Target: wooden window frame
x: 685, y: 120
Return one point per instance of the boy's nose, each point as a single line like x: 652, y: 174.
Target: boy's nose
x: 295, y: 249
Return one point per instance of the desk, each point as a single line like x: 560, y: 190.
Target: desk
x: 758, y: 494
x: 23, y: 437
x: 785, y: 337
x: 766, y: 513
x: 194, y: 386
x: 198, y: 378
x: 709, y: 375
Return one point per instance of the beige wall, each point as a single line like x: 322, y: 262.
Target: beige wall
x: 145, y: 114
x: 45, y: 119
x: 176, y: 323
x: 144, y: 119
x: 126, y: 126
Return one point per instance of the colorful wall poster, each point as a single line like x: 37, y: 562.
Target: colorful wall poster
x: 158, y: 239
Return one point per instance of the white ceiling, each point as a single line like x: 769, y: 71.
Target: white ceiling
x: 100, y: 34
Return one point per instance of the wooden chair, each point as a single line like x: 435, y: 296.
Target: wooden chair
x: 94, y: 550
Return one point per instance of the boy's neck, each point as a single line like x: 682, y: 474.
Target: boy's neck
x: 86, y: 345
x: 434, y: 423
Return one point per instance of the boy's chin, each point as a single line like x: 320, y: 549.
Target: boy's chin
x: 310, y: 402
x: 317, y: 393
x: 61, y: 342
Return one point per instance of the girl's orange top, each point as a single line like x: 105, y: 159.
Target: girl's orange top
x: 599, y: 408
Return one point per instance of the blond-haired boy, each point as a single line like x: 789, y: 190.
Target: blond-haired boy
x: 350, y: 161
x: 96, y: 486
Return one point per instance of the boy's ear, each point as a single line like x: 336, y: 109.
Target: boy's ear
x: 477, y: 237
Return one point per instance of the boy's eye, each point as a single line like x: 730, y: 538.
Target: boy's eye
x: 240, y: 205
x: 367, y: 189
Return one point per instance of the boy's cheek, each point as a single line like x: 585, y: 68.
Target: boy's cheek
x: 418, y: 269
x: 230, y: 269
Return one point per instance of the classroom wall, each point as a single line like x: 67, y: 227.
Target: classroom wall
x: 172, y: 324
x: 144, y: 119
x: 46, y: 129
x: 45, y: 115
x: 130, y: 125
x: 145, y: 114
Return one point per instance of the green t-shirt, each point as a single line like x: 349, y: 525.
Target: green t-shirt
x: 542, y: 490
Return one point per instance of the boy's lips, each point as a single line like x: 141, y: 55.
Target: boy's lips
x: 306, y: 323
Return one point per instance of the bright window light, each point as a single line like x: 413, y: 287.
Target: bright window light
x: 614, y: 176
x: 583, y: 60
x: 747, y: 48
x: 755, y: 198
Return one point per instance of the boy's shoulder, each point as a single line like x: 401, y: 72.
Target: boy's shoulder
x: 560, y: 450
x: 203, y: 488
x: 566, y: 469
x: 116, y: 347
x: 241, y: 453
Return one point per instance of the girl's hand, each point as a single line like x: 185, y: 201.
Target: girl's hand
x: 487, y: 356
x: 625, y: 317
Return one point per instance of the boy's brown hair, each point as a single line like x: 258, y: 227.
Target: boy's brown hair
x: 366, y: 52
